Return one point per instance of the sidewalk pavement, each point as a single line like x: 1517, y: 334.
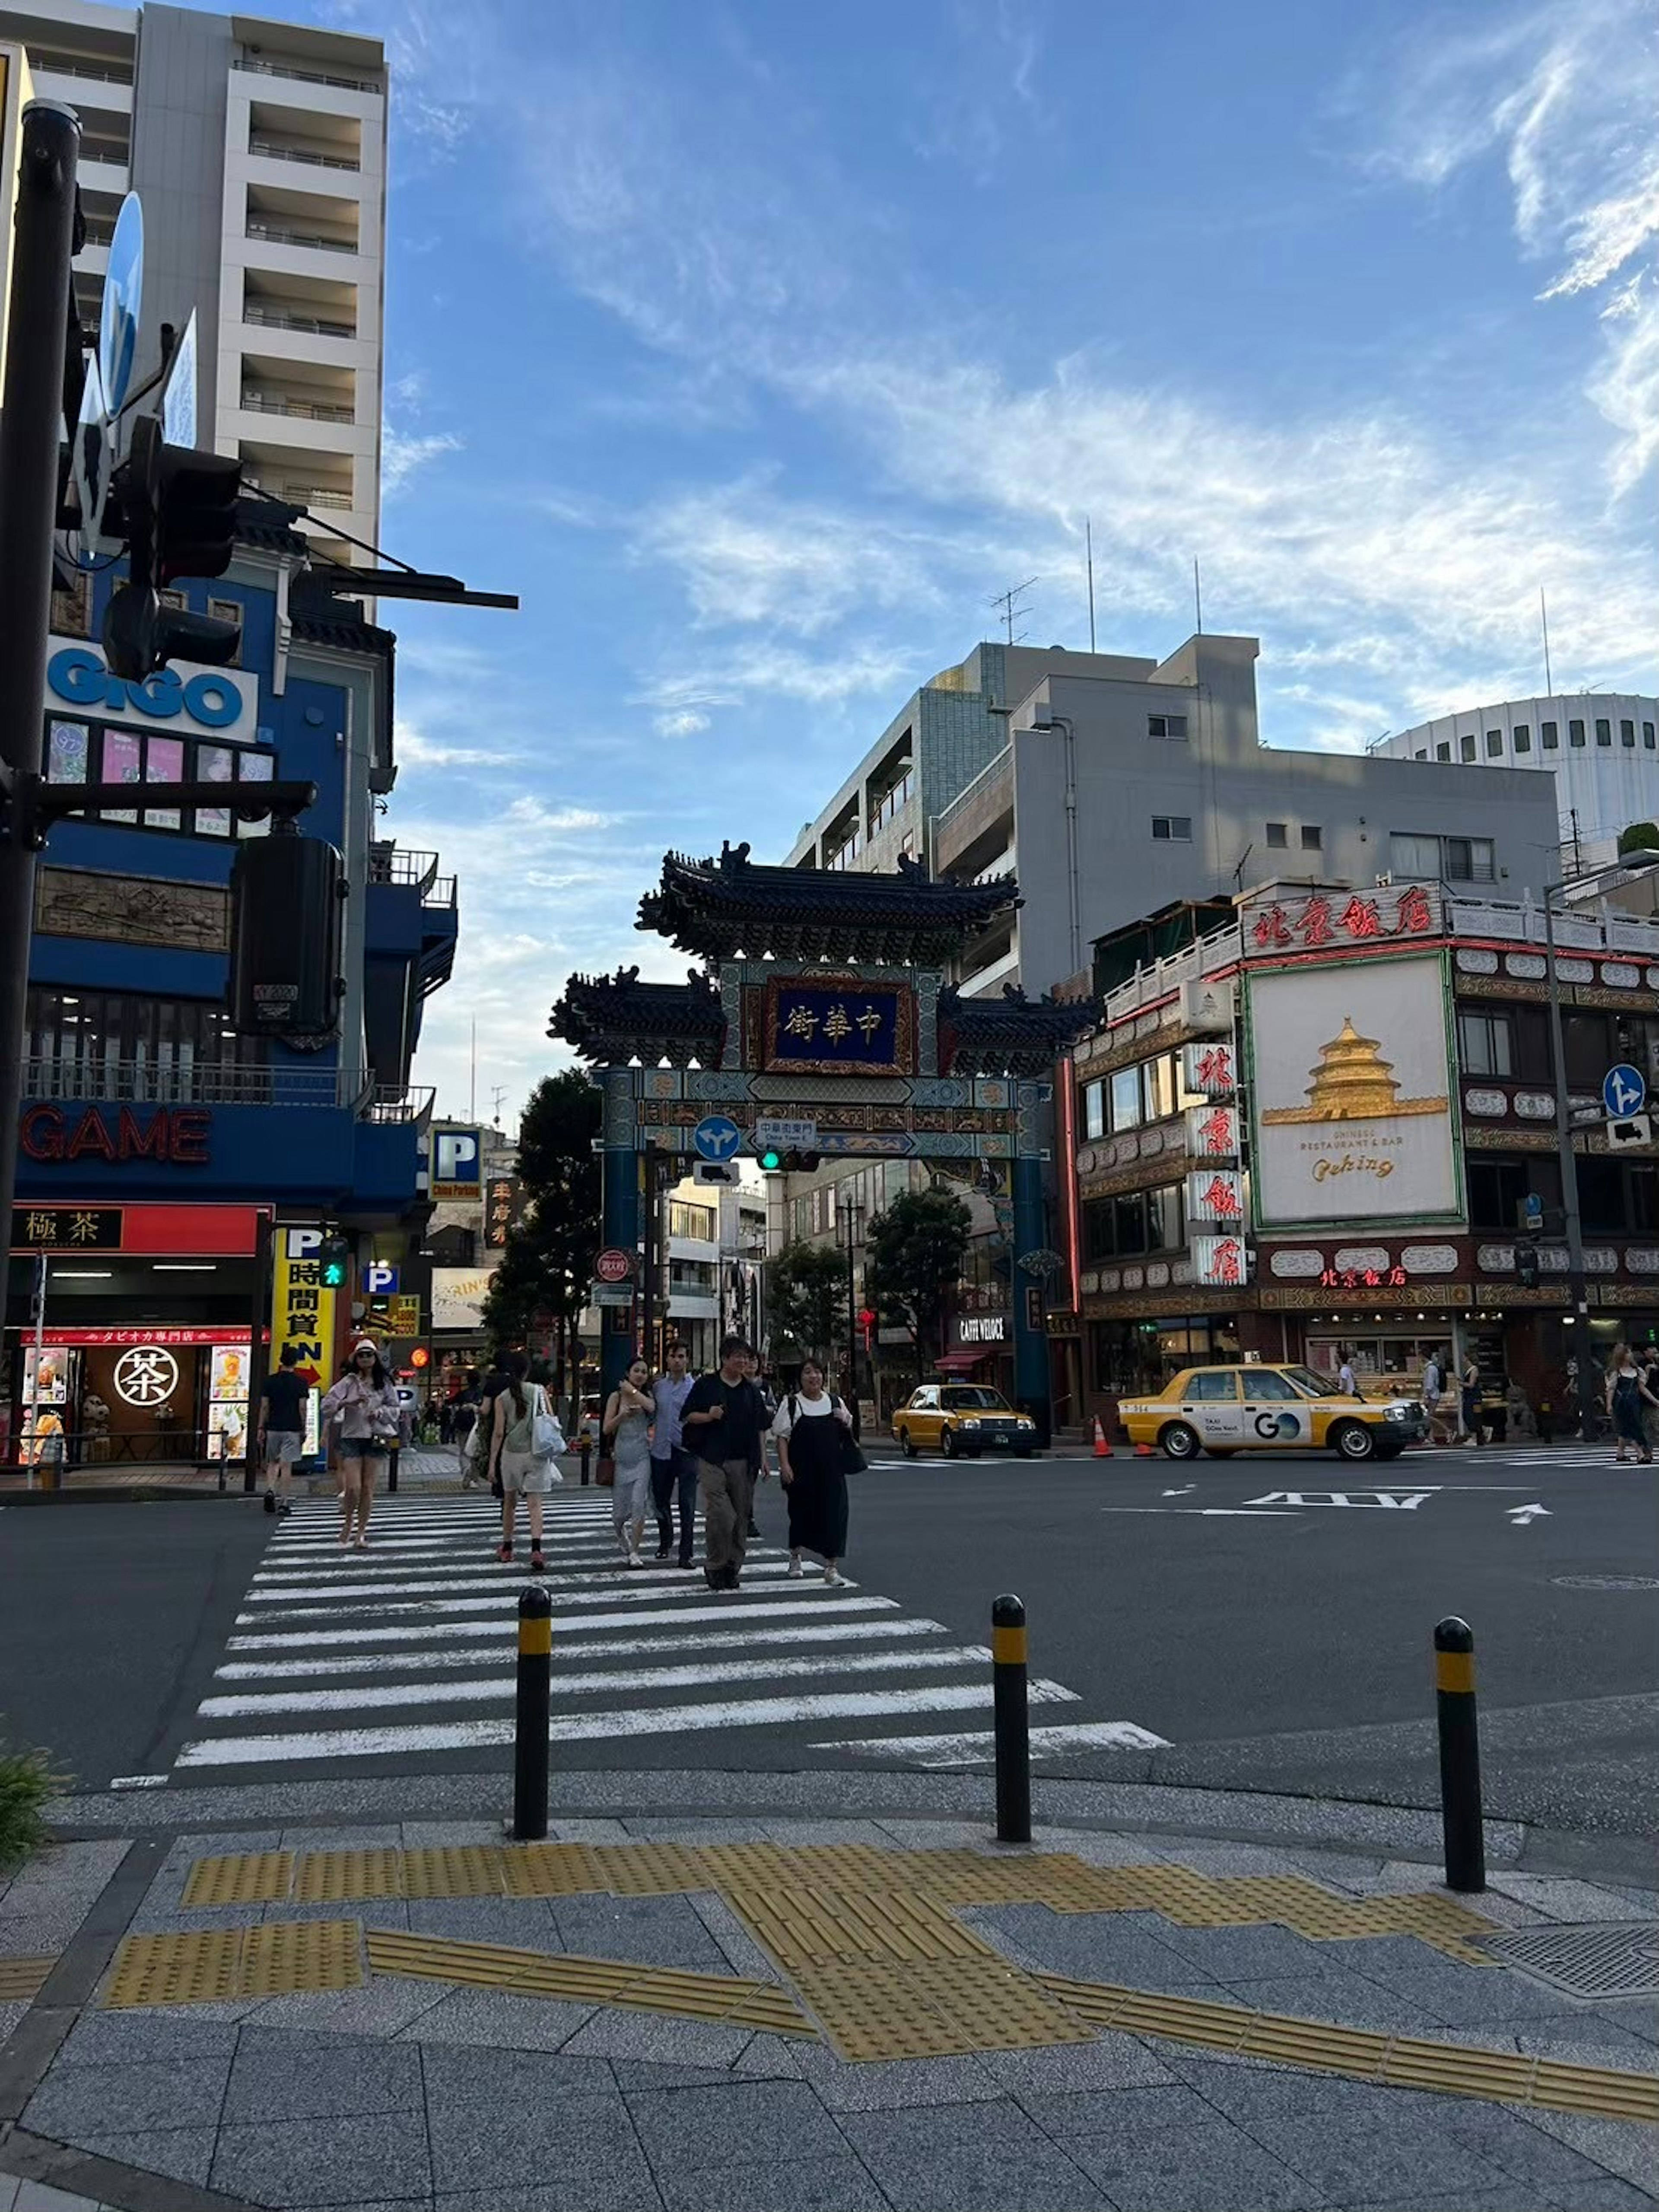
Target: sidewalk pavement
x: 682, y: 2012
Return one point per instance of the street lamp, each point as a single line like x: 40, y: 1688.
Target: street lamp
x: 1578, y: 1283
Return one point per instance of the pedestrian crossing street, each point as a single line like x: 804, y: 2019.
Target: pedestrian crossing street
x: 406, y: 1651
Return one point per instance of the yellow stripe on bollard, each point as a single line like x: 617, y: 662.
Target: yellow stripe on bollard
x: 1455, y: 1671
x: 535, y: 1637
x: 1008, y: 1647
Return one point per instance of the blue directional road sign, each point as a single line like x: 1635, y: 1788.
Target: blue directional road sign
x: 1623, y: 1089
x: 717, y: 1137
x: 1534, y: 1210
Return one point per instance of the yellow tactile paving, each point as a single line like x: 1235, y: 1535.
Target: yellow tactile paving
x: 594, y: 1981
x: 286, y: 1956
x: 549, y: 1870
x: 343, y: 1877
x: 818, y: 1927
x: 874, y: 2010
x: 460, y: 1870
x: 1398, y: 2061
x: 200, y: 1966
x: 250, y: 1878
x: 22, y: 1979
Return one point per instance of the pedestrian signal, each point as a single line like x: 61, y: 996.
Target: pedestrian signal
x: 335, y: 1258
x: 287, y: 893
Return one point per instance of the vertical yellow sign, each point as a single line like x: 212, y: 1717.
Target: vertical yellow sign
x: 302, y: 1307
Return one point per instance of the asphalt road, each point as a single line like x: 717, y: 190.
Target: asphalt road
x: 1223, y: 1624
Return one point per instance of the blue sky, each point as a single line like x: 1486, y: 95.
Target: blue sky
x: 757, y: 346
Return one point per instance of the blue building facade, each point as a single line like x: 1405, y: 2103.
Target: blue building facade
x: 167, y: 1166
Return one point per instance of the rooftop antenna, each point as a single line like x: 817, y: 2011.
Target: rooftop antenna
x: 1008, y: 603
x: 1089, y: 563
x: 1198, y: 599
x: 497, y: 1093
x: 1544, y: 619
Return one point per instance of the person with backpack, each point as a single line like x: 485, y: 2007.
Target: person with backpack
x: 522, y: 1441
x: 628, y: 1419
x: 722, y: 1421
x: 813, y: 1431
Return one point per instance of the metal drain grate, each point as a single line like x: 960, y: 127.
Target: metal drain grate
x: 1608, y: 1959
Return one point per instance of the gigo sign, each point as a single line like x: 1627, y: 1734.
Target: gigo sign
x: 219, y: 700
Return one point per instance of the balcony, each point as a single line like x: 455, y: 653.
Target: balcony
x: 301, y: 411
x: 263, y: 316
x: 978, y: 825
x: 276, y: 233
x: 295, y: 74
x: 413, y: 915
x: 269, y: 150
x: 394, y: 864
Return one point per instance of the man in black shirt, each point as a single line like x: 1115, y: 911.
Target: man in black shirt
x: 723, y: 1421
x: 281, y: 1427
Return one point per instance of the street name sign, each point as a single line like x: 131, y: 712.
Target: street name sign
x: 777, y: 1134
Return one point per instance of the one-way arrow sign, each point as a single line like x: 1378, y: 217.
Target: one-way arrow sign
x: 1521, y: 1516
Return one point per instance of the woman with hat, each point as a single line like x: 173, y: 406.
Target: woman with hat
x: 368, y: 1421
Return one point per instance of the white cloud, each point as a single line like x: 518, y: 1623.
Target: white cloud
x: 412, y: 750
x: 683, y: 722
x: 402, y: 452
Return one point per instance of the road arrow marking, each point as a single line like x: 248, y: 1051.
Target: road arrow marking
x: 1521, y: 1516
x: 1182, y: 1492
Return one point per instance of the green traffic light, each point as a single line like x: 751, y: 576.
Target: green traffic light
x: 771, y: 1162
x: 333, y: 1274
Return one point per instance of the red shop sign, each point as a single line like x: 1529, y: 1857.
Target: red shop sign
x: 67, y: 1338
x: 178, y: 1135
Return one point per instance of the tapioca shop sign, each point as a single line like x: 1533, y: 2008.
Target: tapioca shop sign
x: 177, y: 1136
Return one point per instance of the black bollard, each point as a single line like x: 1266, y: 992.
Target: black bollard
x: 585, y: 1446
x: 1012, y: 1721
x: 1459, y: 1756
x: 392, y: 1471
x: 530, y: 1715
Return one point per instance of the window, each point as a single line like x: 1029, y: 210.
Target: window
x: 78, y: 753
x: 1499, y: 1188
x: 1094, y: 1109
x: 695, y: 1221
x: 1158, y: 1086
x: 1133, y: 1223
x: 230, y: 611
x: 1523, y: 737
x: 1166, y: 726
x: 1443, y: 751
x: 1549, y: 736
x: 1268, y: 1382
x: 1574, y: 733
x: 119, y: 1044
x: 1213, y: 1386
x: 1466, y: 745
x: 1628, y: 734
x: 843, y: 855
x: 1591, y: 1050
x: 889, y: 799
x: 1494, y: 745
x: 1484, y: 1044
x: 1422, y: 754
x: 1453, y: 860
x: 1125, y: 1098
x: 1129, y: 1219
x: 1468, y: 860
x: 1646, y: 736
x: 1411, y: 855
x: 1312, y: 837
x: 1603, y: 731
x: 1172, y: 829
x: 1278, y: 835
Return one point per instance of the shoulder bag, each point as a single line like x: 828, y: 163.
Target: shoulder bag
x: 853, y: 1461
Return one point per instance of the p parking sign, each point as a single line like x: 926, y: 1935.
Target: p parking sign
x: 457, y: 1155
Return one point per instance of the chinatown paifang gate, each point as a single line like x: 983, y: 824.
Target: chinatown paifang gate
x: 821, y: 997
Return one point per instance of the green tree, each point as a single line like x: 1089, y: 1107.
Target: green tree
x: 547, y: 1264
x: 805, y: 1295
x: 1639, y: 837
x: 913, y: 1259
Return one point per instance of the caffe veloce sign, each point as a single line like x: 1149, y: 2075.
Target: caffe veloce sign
x: 175, y: 1136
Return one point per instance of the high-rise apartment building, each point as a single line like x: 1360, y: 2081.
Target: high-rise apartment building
x: 258, y: 151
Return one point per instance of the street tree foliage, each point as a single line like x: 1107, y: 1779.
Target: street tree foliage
x: 914, y: 1260
x: 1639, y: 837
x: 548, y: 1262
x: 805, y: 1295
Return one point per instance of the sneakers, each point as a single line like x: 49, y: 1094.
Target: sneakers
x: 537, y: 1564
x: 284, y: 1505
x: 686, y: 1559
x: 504, y: 1553
x: 635, y: 1558
x: 793, y: 1574
x: 270, y: 1501
x: 664, y: 1551
x: 833, y: 1577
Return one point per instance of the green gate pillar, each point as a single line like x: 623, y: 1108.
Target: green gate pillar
x: 1030, y: 1343
x: 619, y: 1171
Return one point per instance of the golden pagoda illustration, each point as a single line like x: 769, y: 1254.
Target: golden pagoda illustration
x: 1353, y: 1082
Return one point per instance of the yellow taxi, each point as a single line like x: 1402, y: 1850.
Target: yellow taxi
x: 961, y: 1418
x: 1223, y: 1410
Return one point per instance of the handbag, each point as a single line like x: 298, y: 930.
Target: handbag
x: 604, y: 1473
x: 853, y: 1461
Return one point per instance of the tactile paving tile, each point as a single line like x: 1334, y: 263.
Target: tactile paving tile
x: 22, y: 1979
x: 455, y: 1870
x: 1400, y: 2062
x: 245, y: 1878
x: 935, y: 2008
x: 287, y: 1957
x: 817, y: 1927
x: 549, y: 1870
x: 191, y: 1967
x: 650, y: 1870
x: 592, y: 1981
x: 339, y: 1877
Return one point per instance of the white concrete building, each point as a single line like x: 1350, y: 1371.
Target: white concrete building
x: 258, y: 151
x: 1601, y: 747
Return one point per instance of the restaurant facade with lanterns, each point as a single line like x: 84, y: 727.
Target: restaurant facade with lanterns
x: 1325, y: 1128
x: 191, y: 1196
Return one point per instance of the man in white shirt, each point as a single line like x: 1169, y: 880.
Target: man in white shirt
x: 673, y: 1467
x: 1345, y: 1376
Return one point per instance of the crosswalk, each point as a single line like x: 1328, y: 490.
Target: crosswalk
x: 405, y: 1652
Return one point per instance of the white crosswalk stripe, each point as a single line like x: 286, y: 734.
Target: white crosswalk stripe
x: 407, y: 1650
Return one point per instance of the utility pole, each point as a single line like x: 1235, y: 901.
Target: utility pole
x: 31, y: 414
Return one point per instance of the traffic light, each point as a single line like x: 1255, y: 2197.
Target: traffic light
x: 287, y: 894
x: 178, y: 510
x: 771, y: 1160
x: 335, y: 1260
x: 1526, y: 1266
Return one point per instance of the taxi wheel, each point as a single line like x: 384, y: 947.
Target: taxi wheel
x: 947, y: 1442
x: 905, y: 1444
x: 1179, y: 1441
x: 1354, y: 1441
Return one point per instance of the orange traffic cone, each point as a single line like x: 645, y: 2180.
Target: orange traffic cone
x: 1102, y: 1449
x: 1146, y: 1451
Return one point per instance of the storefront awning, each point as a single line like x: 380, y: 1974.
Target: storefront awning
x: 958, y: 1363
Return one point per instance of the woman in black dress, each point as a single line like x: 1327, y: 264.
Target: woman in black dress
x: 810, y: 1426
